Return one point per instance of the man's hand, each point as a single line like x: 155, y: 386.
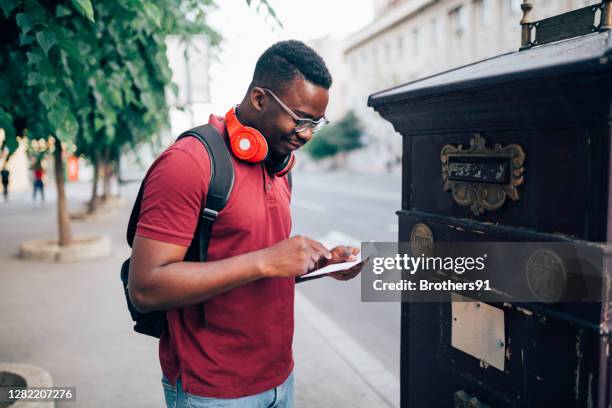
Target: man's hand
x: 341, y: 254
x: 294, y: 256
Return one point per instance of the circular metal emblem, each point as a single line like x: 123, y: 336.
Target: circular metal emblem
x: 421, y: 240
x: 546, y: 275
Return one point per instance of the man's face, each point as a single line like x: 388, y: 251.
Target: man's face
x: 306, y: 100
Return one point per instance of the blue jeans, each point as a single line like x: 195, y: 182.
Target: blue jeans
x: 277, y: 397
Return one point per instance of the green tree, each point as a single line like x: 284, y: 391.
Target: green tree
x: 89, y: 73
x: 127, y: 80
x: 343, y: 136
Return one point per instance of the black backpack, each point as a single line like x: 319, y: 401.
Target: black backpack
x: 221, y: 183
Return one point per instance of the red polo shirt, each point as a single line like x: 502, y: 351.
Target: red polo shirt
x: 245, y: 348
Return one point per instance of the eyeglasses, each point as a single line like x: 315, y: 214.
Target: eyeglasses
x: 301, y: 124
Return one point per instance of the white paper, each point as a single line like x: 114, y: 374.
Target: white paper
x: 334, y: 267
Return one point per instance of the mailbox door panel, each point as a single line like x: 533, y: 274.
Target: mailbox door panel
x: 556, y: 195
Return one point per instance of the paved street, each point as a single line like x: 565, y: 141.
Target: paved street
x: 71, y: 320
x: 361, y: 207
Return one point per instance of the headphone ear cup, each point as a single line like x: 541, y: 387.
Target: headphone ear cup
x: 282, y: 168
x: 288, y: 167
x: 249, y: 146
x: 247, y: 143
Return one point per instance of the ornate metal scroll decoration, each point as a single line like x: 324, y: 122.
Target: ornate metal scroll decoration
x: 481, y: 191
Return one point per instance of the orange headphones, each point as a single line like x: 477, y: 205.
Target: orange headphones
x: 250, y: 145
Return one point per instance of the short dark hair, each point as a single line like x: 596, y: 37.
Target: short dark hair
x: 286, y: 60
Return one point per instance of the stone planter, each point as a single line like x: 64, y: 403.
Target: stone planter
x: 82, y: 248
x: 25, y: 375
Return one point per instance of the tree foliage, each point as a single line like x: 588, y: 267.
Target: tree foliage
x: 343, y: 136
x: 91, y: 73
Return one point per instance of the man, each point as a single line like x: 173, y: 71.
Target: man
x: 242, y: 356
x: 5, y: 180
x: 39, y: 184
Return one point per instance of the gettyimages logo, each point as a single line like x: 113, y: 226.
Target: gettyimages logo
x: 412, y: 265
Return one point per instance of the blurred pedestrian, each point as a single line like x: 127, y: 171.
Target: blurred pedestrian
x: 5, y: 173
x: 39, y: 184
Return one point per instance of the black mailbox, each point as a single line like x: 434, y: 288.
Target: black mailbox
x: 513, y: 148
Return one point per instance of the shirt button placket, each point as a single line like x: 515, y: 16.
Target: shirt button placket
x: 267, y: 181
x: 268, y: 184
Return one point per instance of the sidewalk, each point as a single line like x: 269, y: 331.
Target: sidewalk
x: 332, y: 370
x: 71, y: 320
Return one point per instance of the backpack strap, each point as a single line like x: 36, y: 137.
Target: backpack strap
x: 221, y: 181
x: 133, y: 222
x: 221, y: 184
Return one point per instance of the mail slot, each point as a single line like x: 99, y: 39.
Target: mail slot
x: 512, y: 149
x: 485, y: 169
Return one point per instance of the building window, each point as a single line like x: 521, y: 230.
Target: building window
x: 387, y: 56
x: 436, y: 30
x: 485, y: 11
x: 458, y: 21
x: 416, y: 39
x: 400, y: 46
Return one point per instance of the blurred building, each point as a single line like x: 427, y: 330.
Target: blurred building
x: 412, y: 39
x: 331, y: 49
x: 189, y: 60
